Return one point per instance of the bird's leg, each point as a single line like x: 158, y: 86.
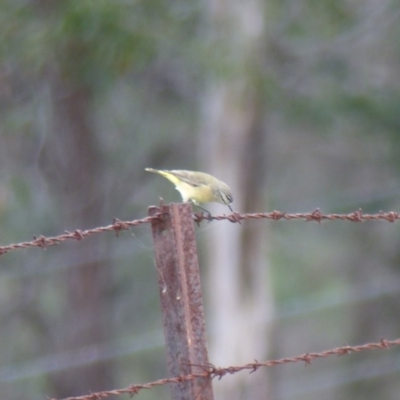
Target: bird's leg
x: 202, y: 208
x: 208, y: 212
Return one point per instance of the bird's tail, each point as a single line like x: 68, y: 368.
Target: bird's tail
x: 156, y: 171
x: 166, y: 174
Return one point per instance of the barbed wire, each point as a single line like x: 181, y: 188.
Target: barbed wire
x: 316, y: 216
x: 118, y: 225
x: 44, y: 242
x: 212, y: 372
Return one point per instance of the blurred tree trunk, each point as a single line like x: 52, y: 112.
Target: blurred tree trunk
x: 72, y: 163
x: 233, y: 148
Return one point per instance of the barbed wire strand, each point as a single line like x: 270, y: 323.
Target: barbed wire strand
x: 44, y: 242
x: 118, y: 225
x: 210, y: 371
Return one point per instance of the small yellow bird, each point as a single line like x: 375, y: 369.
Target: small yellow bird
x: 198, y: 187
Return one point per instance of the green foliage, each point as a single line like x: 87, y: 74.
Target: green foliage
x: 317, y: 19
x: 92, y: 42
x: 95, y: 41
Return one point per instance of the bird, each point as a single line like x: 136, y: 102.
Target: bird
x: 197, y: 187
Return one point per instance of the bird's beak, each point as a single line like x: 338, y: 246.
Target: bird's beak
x: 230, y: 207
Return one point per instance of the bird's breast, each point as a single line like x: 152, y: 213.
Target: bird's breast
x: 201, y: 194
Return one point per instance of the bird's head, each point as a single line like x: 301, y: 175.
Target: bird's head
x: 223, y: 194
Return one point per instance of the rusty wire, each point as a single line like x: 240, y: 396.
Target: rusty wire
x: 118, y: 225
x: 44, y: 242
x: 210, y: 371
x: 316, y: 216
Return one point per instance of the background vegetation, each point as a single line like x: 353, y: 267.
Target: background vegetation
x: 295, y: 104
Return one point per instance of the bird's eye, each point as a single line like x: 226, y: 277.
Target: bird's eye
x: 228, y: 198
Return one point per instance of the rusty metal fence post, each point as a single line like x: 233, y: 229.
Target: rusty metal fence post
x: 181, y: 299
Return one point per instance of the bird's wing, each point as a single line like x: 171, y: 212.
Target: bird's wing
x: 184, y: 176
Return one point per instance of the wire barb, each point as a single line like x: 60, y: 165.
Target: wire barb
x: 210, y: 371
x: 119, y: 226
